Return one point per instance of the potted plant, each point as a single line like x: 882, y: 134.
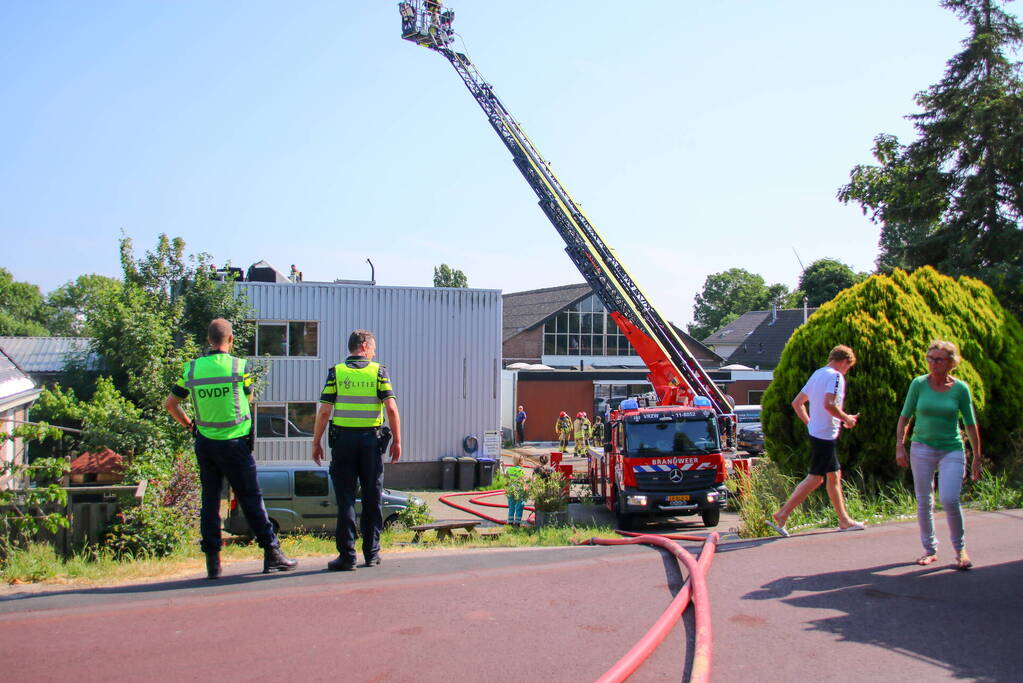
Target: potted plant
x: 550, y: 498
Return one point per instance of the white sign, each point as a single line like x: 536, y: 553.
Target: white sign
x: 492, y: 444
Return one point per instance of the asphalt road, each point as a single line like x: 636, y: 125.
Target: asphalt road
x: 825, y: 606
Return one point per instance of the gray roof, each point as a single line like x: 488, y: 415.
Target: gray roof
x: 736, y: 331
x: 46, y: 354
x: 762, y: 349
x: 523, y: 310
x: 14, y: 382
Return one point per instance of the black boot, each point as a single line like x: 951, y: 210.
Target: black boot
x: 341, y: 564
x: 276, y: 561
x: 212, y: 565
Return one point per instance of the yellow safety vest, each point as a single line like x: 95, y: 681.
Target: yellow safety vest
x: 216, y: 386
x: 356, y: 403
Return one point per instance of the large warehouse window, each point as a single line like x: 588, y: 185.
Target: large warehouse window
x: 584, y: 329
x: 285, y: 420
x: 285, y: 338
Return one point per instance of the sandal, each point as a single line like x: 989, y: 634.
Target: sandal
x: 963, y: 561
x: 925, y: 560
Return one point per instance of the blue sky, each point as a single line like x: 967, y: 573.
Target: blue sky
x: 697, y: 136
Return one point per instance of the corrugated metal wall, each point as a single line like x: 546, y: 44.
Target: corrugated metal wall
x: 442, y: 348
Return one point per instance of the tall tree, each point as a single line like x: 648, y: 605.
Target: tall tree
x: 446, y: 276
x: 23, y: 311
x: 728, y: 295
x: 825, y: 278
x: 74, y: 303
x: 953, y: 198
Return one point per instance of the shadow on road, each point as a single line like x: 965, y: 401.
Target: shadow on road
x: 964, y: 621
x: 254, y: 577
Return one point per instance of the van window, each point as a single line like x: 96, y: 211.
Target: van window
x: 274, y: 484
x: 310, y: 483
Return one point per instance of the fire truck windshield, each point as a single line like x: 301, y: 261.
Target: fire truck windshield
x: 684, y: 437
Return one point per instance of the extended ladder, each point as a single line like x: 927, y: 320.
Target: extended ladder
x: 675, y: 372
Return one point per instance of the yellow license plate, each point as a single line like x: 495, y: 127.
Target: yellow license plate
x: 678, y: 499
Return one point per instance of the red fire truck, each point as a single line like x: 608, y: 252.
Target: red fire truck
x: 661, y: 461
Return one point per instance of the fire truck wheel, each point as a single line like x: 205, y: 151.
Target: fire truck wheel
x: 624, y: 521
x: 710, y: 517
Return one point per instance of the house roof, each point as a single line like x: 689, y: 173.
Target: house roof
x: 15, y: 386
x: 100, y: 462
x: 47, y: 354
x: 523, y: 310
x: 762, y: 348
x: 736, y: 331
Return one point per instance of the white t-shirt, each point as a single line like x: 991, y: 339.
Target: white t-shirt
x: 825, y: 381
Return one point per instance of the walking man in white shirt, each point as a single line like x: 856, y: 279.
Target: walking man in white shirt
x: 824, y: 393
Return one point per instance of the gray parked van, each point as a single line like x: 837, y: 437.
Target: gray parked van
x: 299, y: 496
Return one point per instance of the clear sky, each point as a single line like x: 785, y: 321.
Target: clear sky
x: 698, y: 136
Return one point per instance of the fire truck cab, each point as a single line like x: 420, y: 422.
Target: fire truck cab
x: 663, y: 461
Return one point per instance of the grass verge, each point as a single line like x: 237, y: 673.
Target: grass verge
x: 39, y: 564
x: 766, y: 488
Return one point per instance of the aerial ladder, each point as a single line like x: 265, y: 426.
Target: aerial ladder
x: 676, y: 375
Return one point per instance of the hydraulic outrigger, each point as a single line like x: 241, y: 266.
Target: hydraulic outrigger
x: 677, y: 377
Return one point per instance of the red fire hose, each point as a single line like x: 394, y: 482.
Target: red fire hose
x: 695, y: 587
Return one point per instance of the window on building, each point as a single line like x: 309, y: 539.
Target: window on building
x: 585, y: 329
x: 311, y: 483
x: 284, y: 338
x: 755, y: 397
x: 285, y: 420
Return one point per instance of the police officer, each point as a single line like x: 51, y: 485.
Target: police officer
x: 354, y: 399
x: 222, y: 426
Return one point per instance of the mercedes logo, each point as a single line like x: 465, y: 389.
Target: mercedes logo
x: 676, y: 475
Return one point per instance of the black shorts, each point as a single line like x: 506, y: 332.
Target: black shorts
x: 822, y: 456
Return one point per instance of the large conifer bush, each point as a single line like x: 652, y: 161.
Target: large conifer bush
x: 889, y: 321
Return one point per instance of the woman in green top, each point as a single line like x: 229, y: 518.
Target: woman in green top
x: 935, y: 402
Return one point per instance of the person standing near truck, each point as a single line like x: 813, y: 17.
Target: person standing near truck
x: 824, y: 392
x: 563, y: 430
x: 520, y: 426
x: 355, y: 397
x: 220, y: 392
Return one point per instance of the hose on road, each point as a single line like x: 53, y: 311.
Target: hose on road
x: 695, y: 587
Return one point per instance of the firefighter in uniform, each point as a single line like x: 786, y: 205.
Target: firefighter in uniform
x: 354, y: 399
x: 598, y: 431
x: 220, y: 392
x: 563, y: 430
x: 582, y: 434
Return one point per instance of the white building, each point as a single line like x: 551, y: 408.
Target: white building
x: 441, y: 346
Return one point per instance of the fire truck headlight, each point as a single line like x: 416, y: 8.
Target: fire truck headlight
x: 712, y: 497
x: 635, y: 500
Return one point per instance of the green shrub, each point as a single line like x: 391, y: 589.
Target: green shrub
x: 889, y: 322
x: 146, y: 530
x: 415, y: 514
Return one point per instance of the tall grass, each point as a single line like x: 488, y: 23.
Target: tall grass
x: 763, y: 491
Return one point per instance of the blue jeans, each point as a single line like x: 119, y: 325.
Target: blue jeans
x: 951, y: 468
x: 355, y: 463
x: 515, y: 508
x: 230, y: 459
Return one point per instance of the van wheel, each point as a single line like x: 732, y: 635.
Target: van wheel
x: 710, y: 518
x: 390, y: 521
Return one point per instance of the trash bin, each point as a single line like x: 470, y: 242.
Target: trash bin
x: 466, y: 473
x: 448, y: 465
x: 485, y: 471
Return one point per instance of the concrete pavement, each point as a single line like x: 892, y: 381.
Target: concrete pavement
x: 826, y: 606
